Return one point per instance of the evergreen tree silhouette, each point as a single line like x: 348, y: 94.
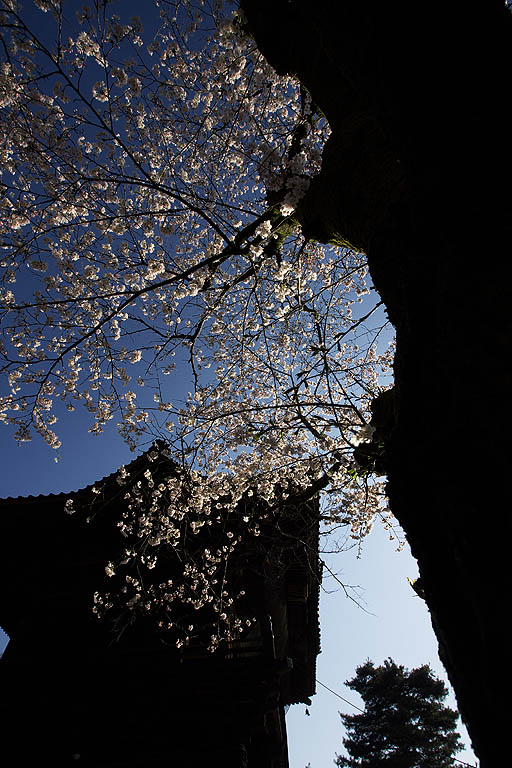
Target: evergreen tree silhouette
x: 405, y: 723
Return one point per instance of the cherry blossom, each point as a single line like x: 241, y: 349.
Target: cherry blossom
x: 149, y: 184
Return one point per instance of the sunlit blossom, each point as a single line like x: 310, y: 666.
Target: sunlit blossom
x: 148, y: 223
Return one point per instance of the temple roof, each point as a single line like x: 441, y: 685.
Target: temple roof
x: 40, y: 544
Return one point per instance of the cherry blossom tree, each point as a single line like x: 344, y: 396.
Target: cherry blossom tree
x: 150, y: 179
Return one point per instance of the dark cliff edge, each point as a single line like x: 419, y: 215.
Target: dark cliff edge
x: 416, y: 174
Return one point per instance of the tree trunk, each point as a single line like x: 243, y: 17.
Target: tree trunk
x: 417, y: 174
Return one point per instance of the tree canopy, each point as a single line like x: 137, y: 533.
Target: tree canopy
x: 150, y: 175
x: 405, y: 723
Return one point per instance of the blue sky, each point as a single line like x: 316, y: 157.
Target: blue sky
x: 391, y: 622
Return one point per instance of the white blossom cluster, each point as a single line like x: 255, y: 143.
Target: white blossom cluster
x: 182, y: 534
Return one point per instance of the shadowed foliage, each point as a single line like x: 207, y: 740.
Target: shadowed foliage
x: 405, y: 723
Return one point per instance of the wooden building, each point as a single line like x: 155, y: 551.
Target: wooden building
x: 75, y: 692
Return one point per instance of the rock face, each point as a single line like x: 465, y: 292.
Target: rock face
x: 416, y: 174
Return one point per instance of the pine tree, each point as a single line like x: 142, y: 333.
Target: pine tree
x: 405, y: 723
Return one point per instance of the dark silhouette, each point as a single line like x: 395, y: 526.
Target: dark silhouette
x: 416, y: 174
x: 78, y: 690
x: 405, y: 723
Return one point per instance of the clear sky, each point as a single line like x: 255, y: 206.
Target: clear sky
x: 391, y: 622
